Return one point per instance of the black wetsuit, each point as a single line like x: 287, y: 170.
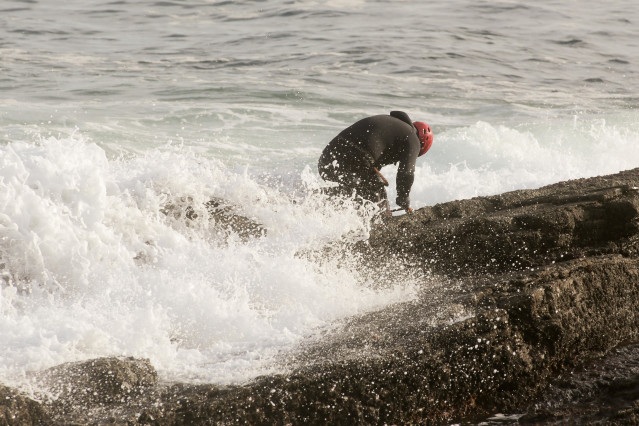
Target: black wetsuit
x: 351, y: 158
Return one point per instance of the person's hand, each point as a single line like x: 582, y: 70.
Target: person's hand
x: 403, y: 202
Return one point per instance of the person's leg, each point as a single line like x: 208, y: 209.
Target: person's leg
x: 373, y: 189
x: 331, y: 170
x: 354, y: 178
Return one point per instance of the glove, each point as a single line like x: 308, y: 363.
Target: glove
x: 403, y: 202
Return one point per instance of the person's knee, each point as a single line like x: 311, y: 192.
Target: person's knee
x: 327, y: 172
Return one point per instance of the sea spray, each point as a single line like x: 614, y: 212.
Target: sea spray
x: 93, y: 267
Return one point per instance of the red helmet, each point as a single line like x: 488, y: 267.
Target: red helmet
x: 425, y: 135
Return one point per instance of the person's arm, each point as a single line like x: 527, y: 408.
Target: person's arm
x: 406, y: 171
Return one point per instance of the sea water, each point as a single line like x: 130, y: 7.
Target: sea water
x: 112, y: 110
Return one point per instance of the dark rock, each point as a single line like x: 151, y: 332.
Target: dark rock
x: 80, y: 390
x: 529, y: 305
x: 548, y: 276
x: 518, y: 230
x: 603, y: 391
x: 17, y: 409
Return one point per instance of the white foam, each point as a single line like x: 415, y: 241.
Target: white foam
x: 93, y: 268
x: 488, y: 159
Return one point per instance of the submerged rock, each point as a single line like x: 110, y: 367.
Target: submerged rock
x: 227, y: 219
x: 223, y: 217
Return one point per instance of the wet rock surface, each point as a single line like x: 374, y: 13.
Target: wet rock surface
x: 529, y: 307
x: 18, y: 409
x: 92, y: 387
x: 605, y: 390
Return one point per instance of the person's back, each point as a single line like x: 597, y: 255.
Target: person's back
x: 353, y: 157
x: 384, y: 137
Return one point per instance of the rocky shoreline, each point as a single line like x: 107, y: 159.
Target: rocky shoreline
x: 530, y: 307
